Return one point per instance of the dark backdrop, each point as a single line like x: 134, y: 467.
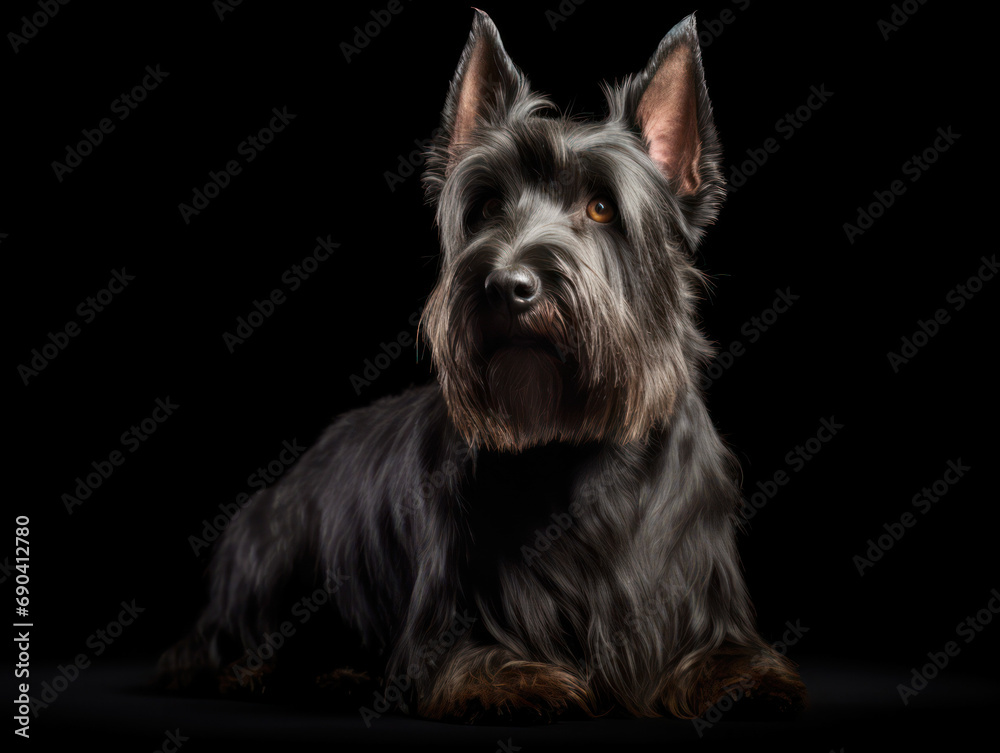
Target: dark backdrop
x: 345, y: 170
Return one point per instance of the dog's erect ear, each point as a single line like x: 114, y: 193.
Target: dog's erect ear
x: 668, y: 102
x: 486, y: 87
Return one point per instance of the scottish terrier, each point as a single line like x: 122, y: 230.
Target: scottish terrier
x: 550, y: 525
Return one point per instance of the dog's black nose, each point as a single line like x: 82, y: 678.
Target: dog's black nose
x: 517, y: 288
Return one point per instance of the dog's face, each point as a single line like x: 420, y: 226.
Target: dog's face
x: 563, y: 310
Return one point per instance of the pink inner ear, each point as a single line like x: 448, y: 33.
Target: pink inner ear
x: 480, y: 78
x: 668, y: 116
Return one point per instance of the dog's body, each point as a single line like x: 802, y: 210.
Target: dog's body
x: 552, y: 523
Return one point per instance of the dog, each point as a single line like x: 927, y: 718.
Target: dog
x: 549, y: 527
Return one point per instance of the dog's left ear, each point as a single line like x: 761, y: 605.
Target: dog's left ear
x: 668, y: 102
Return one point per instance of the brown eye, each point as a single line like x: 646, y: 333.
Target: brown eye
x: 601, y: 210
x: 491, y: 208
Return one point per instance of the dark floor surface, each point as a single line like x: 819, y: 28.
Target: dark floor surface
x: 852, y: 708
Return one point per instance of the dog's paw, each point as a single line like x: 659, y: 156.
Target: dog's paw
x: 758, y: 692
x: 345, y: 679
x: 766, y: 697
x: 517, y: 693
x: 240, y: 681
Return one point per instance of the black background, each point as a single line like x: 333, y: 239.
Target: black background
x: 325, y: 175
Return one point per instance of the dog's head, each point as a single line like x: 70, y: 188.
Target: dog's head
x: 564, y: 306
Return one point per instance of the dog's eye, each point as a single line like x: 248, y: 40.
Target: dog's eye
x: 491, y: 208
x: 601, y: 210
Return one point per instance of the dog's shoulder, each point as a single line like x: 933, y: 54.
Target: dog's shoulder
x: 393, y: 414
x: 390, y: 433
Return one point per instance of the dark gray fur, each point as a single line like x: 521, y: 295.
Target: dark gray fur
x: 432, y: 502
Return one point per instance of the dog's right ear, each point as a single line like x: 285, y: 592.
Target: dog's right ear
x: 485, y: 89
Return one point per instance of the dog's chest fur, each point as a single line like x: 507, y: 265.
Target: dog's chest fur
x: 549, y: 522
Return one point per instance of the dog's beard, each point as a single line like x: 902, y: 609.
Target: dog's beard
x: 526, y: 397
x: 525, y: 389
x: 558, y: 374
x: 524, y: 393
